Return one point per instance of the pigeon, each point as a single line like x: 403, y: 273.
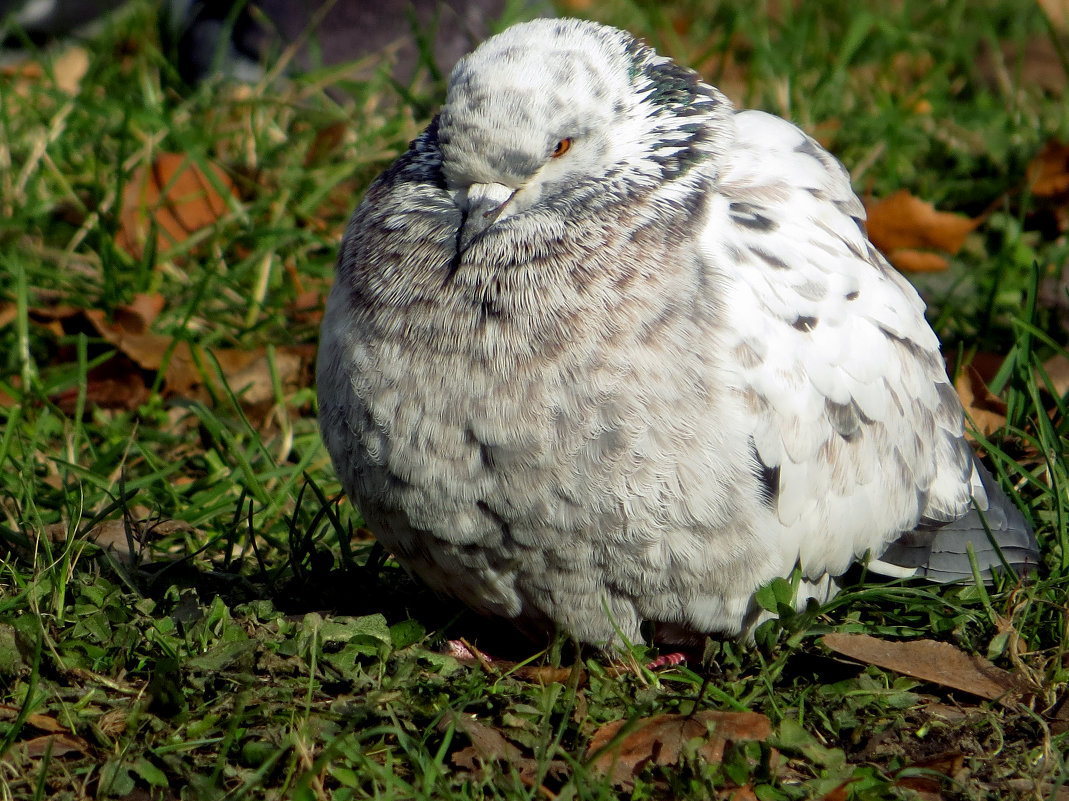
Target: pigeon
x: 606, y: 355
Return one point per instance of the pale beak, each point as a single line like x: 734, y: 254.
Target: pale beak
x: 485, y: 205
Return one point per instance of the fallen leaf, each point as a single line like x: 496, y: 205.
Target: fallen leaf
x: 1048, y: 172
x: 325, y: 142
x: 738, y: 794
x: 950, y: 764
x: 247, y: 372
x: 487, y: 743
x: 137, y: 316
x: 176, y: 195
x: 252, y: 381
x: 840, y: 793
x: 907, y: 230
x: 189, y: 370
x: 948, y: 712
x: 9, y: 312
x: 111, y: 535
x: 57, y: 744
x: 1058, y: 714
x: 58, y: 736
x: 45, y: 723
x: 307, y: 307
x: 545, y: 674
x: 115, y: 384
x: 917, y: 261
x: 1057, y: 12
x: 1057, y: 370
x: 929, y: 660
x: 661, y: 740
x: 987, y: 410
x: 576, y: 6
x: 69, y: 68
x: 488, y: 746
x: 1011, y: 65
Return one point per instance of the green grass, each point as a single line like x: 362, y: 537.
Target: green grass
x: 248, y: 640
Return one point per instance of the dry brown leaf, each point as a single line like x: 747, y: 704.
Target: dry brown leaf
x: 1048, y: 173
x: 738, y: 794
x: 140, y: 313
x: 325, y: 142
x: 22, y: 76
x: 45, y: 723
x: 307, y: 307
x: 488, y: 746
x: 58, y: 744
x: 661, y: 740
x: 840, y: 793
x: 1058, y: 714
x: 1057, y: 12
x: 174, y: 194
x: 987, y: 410
x: 120, y: 384
x: 247, y: 372
x: 1057, y: 370
x: 111, y: 535
x: 69, y: 69
x: 58, y: 736
x: 52, y: 317
x: 545, y: 674
x: 917, y: 261
x: 1033, y: 63
x: 929, y: 788
x: 252, y: 381
x: 929, y: 660
x: 576, y: 6
x: 906, y: 229
x: 115, y: 384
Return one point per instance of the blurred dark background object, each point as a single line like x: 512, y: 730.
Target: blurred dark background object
x: 240, y: 38
x: 42, y: 20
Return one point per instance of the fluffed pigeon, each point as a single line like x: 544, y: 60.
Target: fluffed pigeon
x: 603, y: 351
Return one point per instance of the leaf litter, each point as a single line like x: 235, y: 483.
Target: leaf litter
x: 188, y: 371
x: 929, y: 660
x: 622, y: 749
x: 913, y: 235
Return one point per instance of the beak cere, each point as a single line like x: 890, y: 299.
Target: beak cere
x: 486, y: 204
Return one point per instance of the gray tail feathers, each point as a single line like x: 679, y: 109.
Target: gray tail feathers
x: 940, y: 552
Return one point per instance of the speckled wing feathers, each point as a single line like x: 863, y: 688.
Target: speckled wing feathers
x: 846, y: 392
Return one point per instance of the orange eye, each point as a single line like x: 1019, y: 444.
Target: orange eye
x: 561, y: 148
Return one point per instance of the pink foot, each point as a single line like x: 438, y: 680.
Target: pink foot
x: 667, y: 660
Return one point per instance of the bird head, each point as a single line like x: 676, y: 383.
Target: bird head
x: 551, y: 108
